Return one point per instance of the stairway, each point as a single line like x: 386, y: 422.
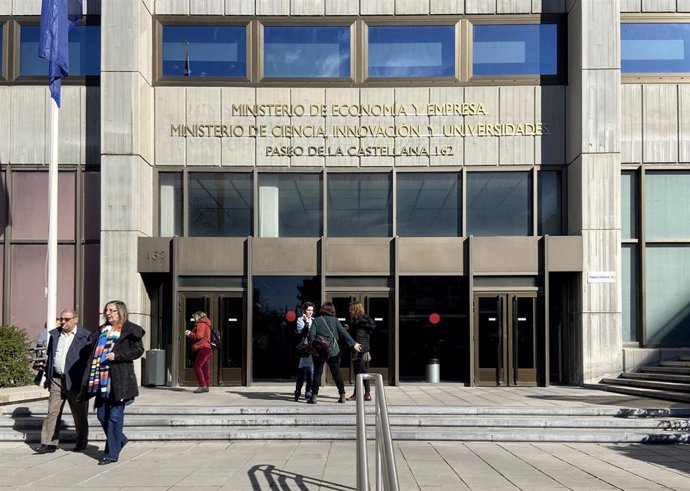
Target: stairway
x: 670, y: 381
x: 337, y: 422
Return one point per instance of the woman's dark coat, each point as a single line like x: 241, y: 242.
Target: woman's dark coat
x: 123, y: 381
x: 362, y: 327
x: 318, y: 327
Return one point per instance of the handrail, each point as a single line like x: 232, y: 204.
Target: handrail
x: 386, y: 472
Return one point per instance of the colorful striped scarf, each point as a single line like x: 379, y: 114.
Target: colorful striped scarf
x: 99, y: 373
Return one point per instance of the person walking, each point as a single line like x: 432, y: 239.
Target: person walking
x: 305, y: 368
x: 362, y: 327
x: 110, y: 376
x: 68, y: 351
x: 328, y: 326
x: 201, y: 335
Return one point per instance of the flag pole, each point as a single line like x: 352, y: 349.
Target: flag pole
x: 51, y: 288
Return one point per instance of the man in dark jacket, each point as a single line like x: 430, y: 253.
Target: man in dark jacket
x: 69, y: 348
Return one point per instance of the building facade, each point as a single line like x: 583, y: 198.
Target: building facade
x: 501, y: 182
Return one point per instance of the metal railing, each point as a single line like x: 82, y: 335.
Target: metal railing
x: 386, y: 473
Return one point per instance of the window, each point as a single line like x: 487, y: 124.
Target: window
x: 306, y: 52
x: 204, y: 51
x: 666, y: 203
x: 220, y: 204
x: 2, y: 50
x: 428, y: 204
x: 84, y: 51
x: 499, y: 203
x: 655, y: 48
x: 290, y: 205
x: 411, y: 51
x: 629, y: 196
x: 170, y: 204
x: 630, y: 287
x: 515, y: 49
x: 359, y: 205
x: 549, y: 203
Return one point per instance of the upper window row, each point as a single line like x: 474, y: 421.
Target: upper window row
x: 24, y: 63
x: 390, y: 51
x: 661, y: 47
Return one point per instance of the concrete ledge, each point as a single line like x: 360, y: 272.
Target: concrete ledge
x: 14, y: 395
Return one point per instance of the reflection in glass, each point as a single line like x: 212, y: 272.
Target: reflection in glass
x: 84, y: 51
x: 204, y: 51
x: 359, y: 205
x: 411, y: 51
x: 499, y: 203
x: 290, y: 205
x: 629, y: 193
x: 630, y: 286
x: 220, y: 204
x: 448, y: 340
x: 170, y: 204
x: 549, y: 203
x: 655, y: 48
x: 272, y: 335
x: 309, y: 52
x: 515, y: 49
x: 666, y: 205
x: 428, y: 204
x: 667, y: 292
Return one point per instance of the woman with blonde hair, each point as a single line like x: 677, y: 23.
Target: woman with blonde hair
x: 362, y: 327
x: 201, y: 335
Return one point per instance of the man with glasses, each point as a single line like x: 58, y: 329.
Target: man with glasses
x: 69, y: 349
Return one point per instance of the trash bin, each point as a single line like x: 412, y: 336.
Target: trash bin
x: 433, y: 371
x: 154, y: 374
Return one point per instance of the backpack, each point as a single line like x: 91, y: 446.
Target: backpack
x: 215, y: 338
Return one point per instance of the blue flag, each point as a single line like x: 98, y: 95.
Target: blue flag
x: 57, y: 18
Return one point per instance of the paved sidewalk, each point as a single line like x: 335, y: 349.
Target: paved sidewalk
x: 288, y: 465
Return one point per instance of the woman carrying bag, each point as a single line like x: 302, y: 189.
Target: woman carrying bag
x: 362, y: 327
x: 327, y: 329
x: 201, y: 335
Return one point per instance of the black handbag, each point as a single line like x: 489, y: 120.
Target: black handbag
x: 303, y: 348
x: 321, y: 346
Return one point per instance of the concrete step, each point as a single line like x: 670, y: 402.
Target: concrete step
x: 665, y: 377
x: 666, y: 369
x: 684, y: 364
x: 648, y: 384
x: 398, y: 434
x: 642, y: 392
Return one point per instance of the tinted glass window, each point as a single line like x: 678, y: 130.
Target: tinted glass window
x: 170, y: 197
x: 499, y: 203
x: 629, y: 192
x: 411, y: 51
x: 630, y: 285
x: 84, y: 51
x: 359, y: 205
x: 428, y: 205
x: 515, y: 49
x: 666, y: 204
x: 655, y: 48
x: 220, y: 204
x: 204, y: 51
x: 2, y: 59
x: 549, y: 203
x: 290, y: 205
x: 307, y: 51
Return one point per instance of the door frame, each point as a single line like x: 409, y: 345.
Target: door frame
x: 211, y: 300
x: 362, y: 294
x: 505, y: 372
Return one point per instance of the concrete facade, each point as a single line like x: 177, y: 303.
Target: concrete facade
x: 595, y: 121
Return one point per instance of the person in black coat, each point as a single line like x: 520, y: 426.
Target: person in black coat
x: 362, y: 327
x: 68, y: 351
x: 110, y: 375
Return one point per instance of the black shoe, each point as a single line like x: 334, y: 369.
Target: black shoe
x: 80, y: 447
x: 124, y: 442
x: 342, y: 399
x: 106, y: 461
x: 45, y: 449
x: 297, y: 396
x: 312, y: 400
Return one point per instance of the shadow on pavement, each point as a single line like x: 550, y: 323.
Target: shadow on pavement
x: 672, y: 457
x: 264, y: 476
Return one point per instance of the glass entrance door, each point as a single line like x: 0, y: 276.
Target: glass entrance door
x: 505, y: 339
x: 377, y: 305
x: 226, y: 312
